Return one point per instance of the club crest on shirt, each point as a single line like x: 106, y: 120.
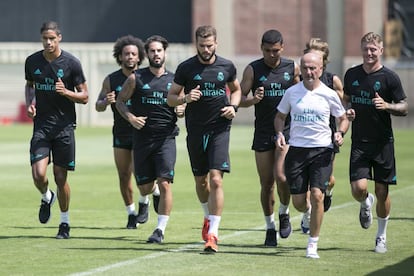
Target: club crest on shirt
x: 286, y: 76
x: 220, y: 76
x: 377, y: 86
x: 60, y: 73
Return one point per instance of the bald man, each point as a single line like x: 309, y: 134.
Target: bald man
x: 308, y: 163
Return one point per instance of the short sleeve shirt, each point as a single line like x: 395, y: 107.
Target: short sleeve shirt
x: 372, y: 125
x: 310, y: 112
x: 205, y: 113
x: 51, y: 107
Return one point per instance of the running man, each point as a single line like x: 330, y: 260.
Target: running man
x: 268, y: 78
x: 155, y: 128
x: 308, y: 161
x: 129, y: 53
x: 54, y: 83
x: 374, y: 93
x: 200, y: 82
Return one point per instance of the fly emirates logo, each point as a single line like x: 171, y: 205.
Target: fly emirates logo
x: 210, y: 90
x: 47, y: 86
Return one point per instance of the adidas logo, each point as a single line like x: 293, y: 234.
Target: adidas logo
x: 71, y: 164
x: 355, y: 83
x: 118, y: 88
x: 263, y: 78
x: 225, y: 165
x: 37, y: 72
x: 197, y: 77
x: 146, y: 86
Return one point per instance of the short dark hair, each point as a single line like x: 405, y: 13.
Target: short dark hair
x: 156, y: 38
x: 205, y: 31
x: 50, y: 25
x: 125, y: 41
x: 272, y: 37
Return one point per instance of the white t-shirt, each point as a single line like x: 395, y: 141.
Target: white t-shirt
x: 310, y: 111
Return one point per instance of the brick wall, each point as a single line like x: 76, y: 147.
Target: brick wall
x: 297, y: 20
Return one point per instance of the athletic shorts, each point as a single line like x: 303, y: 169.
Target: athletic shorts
x: 60, y: 142
x: 122, y: 141
x: 308, y: 167
x: 122, y: 137
x: 154, y: 159
x: 368, y: 158
x: 265, y: 141
x: 208, y: 151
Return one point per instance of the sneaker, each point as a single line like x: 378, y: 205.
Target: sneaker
x: 143, y: 214
x: 327, y: 201
x: 380, y: 245
x: 365, y: 213
x: 63, y: 231
x: 156, y: 237
x: 132, y: 222
x: 44, y: 211
x: 312, y: 251
x: 304, y: 224
x: 156, y: 201
x: 271, y: 238
x: 211, y: 244
x: 284, y: 226
x: 204, y: 231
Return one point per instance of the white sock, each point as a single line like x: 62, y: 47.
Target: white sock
x: 143, y: 199
x: 64, y: 217
x: 270, y: 221
x: 382, y: 226
x: 162, y: 222
x: 283, y: 209
x: 313, y: 239
x: 156, y: 191
x: 47, y: 196
x: 131, y: 209
x: 204, y: 206
x: 214, y: 224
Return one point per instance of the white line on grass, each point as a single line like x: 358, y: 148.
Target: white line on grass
x: 196, y: 245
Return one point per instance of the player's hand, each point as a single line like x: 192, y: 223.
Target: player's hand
x: 379, y: 102
x: 31, y: 111
x: 350, y: 114
x: 229, y: 112
x: 110, y: 97
x: 338, y: 139
x: 180, y: 110
x: 258, y: 94
x: 60, y: 87
x: 194, y: 95
x: 280, y: 142
x: 138, y: 122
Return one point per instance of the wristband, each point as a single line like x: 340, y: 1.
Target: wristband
x: 236, y: 108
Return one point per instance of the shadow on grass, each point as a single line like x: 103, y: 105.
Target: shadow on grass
x: 404, y: 267
x: 401, y: 218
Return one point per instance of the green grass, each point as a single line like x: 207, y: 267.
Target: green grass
x: 99, y: 243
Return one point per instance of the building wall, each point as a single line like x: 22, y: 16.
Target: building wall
x: 297, y: 20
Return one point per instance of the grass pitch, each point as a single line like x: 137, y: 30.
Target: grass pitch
x: 100, y: 245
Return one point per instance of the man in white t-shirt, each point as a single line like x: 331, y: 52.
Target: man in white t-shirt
x: 308, y: 162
